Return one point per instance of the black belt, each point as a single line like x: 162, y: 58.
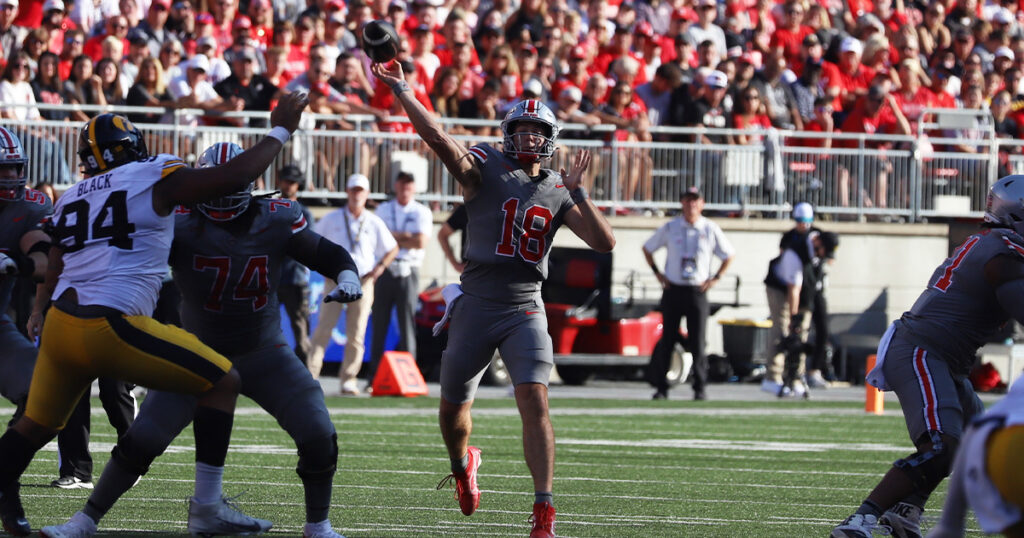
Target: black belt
x: 69, y: 306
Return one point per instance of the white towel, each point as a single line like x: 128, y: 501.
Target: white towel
x: 450, y: 294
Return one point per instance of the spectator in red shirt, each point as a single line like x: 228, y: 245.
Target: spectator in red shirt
x: 621, y: 46
x: 501, y: 65
x: 825, y: 166
x: 577, y: 74
x: 941, y: 98
x: 295, y: 60
x: 262, y: 16
x: 74, y: 43
x: 750, y: 114
x: 224, y: 13
x: 633, y: 126
x: 55, y: 24
x: 115, y: 25
x: 787, y: 39
x: 276, y: 60
x: 876, y: 113
x: 676, y: 28
x: 397, y: 15
x: 471, y: 80
x: 912, y: 97
x: 848, y: 80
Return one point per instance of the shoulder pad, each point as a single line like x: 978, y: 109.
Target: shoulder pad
x: 1014, y: 246
x: 480, y: 151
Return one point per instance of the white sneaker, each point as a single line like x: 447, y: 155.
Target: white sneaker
x: 319, y: 530
x: 855, y: 526
x: 350, y: 388
x: 79, y: 526
x: 903, y: 520
x: 815, y: 381
x: 222, y: 517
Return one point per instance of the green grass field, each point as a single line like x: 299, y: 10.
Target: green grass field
x: 624, y: 468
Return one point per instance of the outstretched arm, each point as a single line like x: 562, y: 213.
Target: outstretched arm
x: 453, y: 154
x: 584, y: 219
x: 190, y: 185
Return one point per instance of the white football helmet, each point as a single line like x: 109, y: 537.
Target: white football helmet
x: 535, y: 111
x: 12, y: 154
x: 231, y: 206
x: 1005, y: 205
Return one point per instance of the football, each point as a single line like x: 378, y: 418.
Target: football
x: 380, y: 41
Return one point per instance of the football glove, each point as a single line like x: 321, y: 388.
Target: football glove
x: 8, y: 266
x: 349, y: 289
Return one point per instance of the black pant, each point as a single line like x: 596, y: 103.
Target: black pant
x: 296, y: 304
x: 678, y: 302
x: 400, y: 293
x: 819, y: 319
x: 73, y: 440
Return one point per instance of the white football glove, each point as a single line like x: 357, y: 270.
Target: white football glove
x: 349, y: 288
x: 7, y: 265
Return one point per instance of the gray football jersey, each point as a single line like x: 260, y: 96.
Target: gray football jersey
x: 228, y: 282
x: 19, y: 218
x: 511, y: 223
x: 958, y: 311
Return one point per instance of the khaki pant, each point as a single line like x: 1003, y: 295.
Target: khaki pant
x: 779, y: 313
x: 356, y: 318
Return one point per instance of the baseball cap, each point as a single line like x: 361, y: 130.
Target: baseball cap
x: 1002, y: 16
x: 421, y: 29
x: 137, y: 37
x: 578, y: 53
x: 398, y: 5
x: 336, y: 18
x: 527, y: 47
x: 204, y: 18
x: 851, y: 44
x: 690, y: 192
x: 702, y: 3
x: 358, y: 181
x: 247, y: 53
x: 753, y: 58
x: 165, y: 3
x: 803, y: 212
x: 811, y: 40
x: 1004, y: 52
x: 533, y: 86
x: 644, y: 28
x: 200, y: 62
x: 290, y: 172
x: 9, y: 3
x: 242, y: 21
x: 52, y: 5
x: 716, y: 79
x: 334, y: 5
x: 573, y: 93
x: 206, y: 41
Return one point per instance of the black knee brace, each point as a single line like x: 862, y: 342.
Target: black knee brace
x: 318, y: 459
x: 132, y: 455
x: 928, y: 468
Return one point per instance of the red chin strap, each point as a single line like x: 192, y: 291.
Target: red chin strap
x: 221, y: 215
x: 528, y: 157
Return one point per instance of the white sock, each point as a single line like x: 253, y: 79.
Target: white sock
x: 209, y: 479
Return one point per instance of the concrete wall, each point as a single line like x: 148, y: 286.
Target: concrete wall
x: 877, y: 266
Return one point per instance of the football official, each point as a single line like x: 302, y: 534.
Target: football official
x: 692, y: 242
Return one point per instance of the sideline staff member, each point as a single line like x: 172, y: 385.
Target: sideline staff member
x: 692, y: 241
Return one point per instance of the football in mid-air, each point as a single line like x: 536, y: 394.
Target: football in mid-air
x: 380, y: 41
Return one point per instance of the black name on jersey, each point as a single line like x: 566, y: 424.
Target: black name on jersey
x: 93, y: 184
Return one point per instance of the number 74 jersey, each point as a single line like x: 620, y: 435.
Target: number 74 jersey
x: 115, y: 244
x: 512, y: 222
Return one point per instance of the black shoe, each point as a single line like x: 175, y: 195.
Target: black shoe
x: 11, y: 512
x: 700, y: 395
x: 660, y: 395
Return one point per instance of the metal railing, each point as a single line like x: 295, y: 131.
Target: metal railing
x: 907, y: 178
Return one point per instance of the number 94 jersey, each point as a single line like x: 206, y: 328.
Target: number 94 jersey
x: 115, y: 244
x: 228, y: 275
x: 512, y: 221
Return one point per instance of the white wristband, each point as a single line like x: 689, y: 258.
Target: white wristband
x: 280, y: 134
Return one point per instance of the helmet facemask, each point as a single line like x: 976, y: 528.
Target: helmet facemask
x: 1005, y: 204
x: 228, y: 207
x: 12, y: 156
x: 518, y: 145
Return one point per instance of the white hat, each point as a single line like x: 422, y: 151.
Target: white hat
x: 573, y: 93
x: 9, y: 3
x: 716, y: 79
x: 1004, y: 52
x: 358, y: 181
x: 533, y: 86
x: 1002, y: 16
x: 851, y: 44
x: 201, y: 62
x: 803, y: 212
x: 53, y: 4
x: 206, y: 41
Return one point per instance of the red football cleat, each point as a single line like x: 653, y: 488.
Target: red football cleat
x: 466, y: 490
x: 543, y: 520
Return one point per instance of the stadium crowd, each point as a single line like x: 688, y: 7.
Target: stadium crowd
x: 854, y: 66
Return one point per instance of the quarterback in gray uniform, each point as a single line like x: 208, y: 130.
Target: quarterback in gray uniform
x: 926, y: 355
x: 514, y: 208
x: 23, y: 252
x: 226, y: 261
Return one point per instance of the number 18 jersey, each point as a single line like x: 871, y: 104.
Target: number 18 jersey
x: 511, y: 223
x: 115, y: 244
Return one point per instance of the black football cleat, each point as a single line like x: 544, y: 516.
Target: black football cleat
x: 11, y: 512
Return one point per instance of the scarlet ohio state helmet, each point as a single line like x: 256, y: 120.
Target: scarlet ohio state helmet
x: 12, y: 154
x: 534, y: 111
x: 1005, y: 205
x: 231, y: 206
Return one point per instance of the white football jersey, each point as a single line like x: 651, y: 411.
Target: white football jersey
x: 115, y: 245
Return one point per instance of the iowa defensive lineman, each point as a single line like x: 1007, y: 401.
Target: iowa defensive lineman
x: 112, y: 235
x: 514, y: 209
x: 23, y: 248
x: 226, y: 260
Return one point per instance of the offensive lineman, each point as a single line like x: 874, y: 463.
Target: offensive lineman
x: 112, y: 236
x: 23, y: 248
x: 514, y: 208
x: 226, y: 259
x: 925, y: 357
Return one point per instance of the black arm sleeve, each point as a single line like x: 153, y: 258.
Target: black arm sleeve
x: 320, y: 254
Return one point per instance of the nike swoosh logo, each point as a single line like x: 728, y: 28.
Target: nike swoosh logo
x: 19, y: 219
x: 559, y: 186
x: 532, y: 312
